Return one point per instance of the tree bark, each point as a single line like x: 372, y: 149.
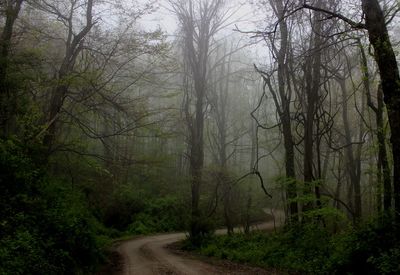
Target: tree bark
x: 7, y: 99
x: 383, y: 168
x: 198, y: 27
x: 389, y: 73
x: 283, y: 107
x: 313, y: 77
x: 382, y: 155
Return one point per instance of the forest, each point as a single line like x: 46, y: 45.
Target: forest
x: 261, y: 135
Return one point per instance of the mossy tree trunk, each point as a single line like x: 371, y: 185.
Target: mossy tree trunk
x: 389, y: 72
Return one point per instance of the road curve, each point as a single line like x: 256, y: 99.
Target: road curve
x: 149, y: 255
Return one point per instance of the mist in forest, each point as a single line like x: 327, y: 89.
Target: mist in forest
x: 277, y: 121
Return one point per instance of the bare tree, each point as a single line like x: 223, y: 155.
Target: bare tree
x: 220, y: 98
x: 375, y: 22
x: 200, y: 21
x: 283, y: 97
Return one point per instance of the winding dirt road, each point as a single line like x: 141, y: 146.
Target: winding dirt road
x: 149, y: 255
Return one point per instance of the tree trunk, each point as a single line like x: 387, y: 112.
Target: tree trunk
x: 7, y: 99
x: 56, y: 103
x: 383, y: 163
x: 352, y: 162
x: 73, y: 46
x: 197, y: 158
x: 382, y: 155
x: 313, y: 76
x: 389, y: 73
x: 284, y: 109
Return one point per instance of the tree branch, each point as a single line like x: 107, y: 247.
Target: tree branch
x: 353, y: 24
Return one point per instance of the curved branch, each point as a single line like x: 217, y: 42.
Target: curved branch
x: 353, y: 24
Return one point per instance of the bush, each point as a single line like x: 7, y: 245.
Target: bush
x: 374, y: 248
x: 311, y: 249
x: 387, y: 262
x: 45, y: 226
x: 71, y: 230
x: 159, y: 215
x: 124, y: 203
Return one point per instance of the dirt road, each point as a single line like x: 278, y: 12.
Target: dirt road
x: 149, y: 255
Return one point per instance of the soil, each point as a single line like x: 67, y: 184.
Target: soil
x: 158, y: 255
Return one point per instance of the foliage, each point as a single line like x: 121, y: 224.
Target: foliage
x: 312, y: 249
x: 297, y: 249
x: 45, y: 226
x: 124, y: 202
x: 375, y: 249
x: 159, y: 215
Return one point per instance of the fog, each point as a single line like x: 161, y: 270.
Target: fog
x: 143, y: 117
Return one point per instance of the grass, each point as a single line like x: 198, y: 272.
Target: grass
x: 311, y: 249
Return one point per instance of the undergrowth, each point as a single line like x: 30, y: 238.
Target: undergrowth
x: 373, y: 248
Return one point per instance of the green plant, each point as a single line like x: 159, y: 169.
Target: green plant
x: 45, y: 225
x: 373, y: 248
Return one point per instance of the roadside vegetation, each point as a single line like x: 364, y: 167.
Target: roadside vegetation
x: 373, y: 248
x: 111, y: 126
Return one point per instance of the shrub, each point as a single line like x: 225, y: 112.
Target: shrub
x: 45, y: 226
x: 159, y: 215
x: 373, y: 248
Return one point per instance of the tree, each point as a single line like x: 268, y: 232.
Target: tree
x: 353, y: 157
x: 11, y: 10
x: 219, y: 101
x: 375, y: 24
x: 283, y: 98
x: 312, y: 73
x: 389, y: 72
x: 200, y: 21
x: 74, y: 45
x: 384, y: 171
